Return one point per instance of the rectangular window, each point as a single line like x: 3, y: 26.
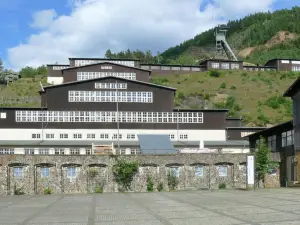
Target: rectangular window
x: 130, y: 136
x: 44, y: 151
x: 272, y: 142
x: 63, y: 136
x: 174, y: 171
x: 7, y: 151
x: 71, y: 172
x: 29, y: 151
x: 183, y: 136
x: 172, y: 136
x: 49, y: 136
x: 104, y: 136
x: 235, y: 66
x: 223, y: 171
x: 199, y: 171
x: 36, y: 136
x: 296, y: 68
x: 91, y: 136
x: 88, y: 151
x: 115, y: 136
x: 3, y: 115
x: 45, y: 172
x: 59, y: 151
x: 75, y: 151
x: 225, y: 66
x: 18, y: 172
x: 77, y: 136
x: 215, y: 65
x: 93, y: 75
x: 110, y: 85
x: 287, y: 138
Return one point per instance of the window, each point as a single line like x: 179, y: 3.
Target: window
x: 225, y: 66
x: 3, y: 115
x: 88, y: 151
x: 272, y: 142
x: 172, y: 136
x: 183, y: 136
x: 59, y: 151
x: 49, y: 136
x: 91, y: 136
x: 174, y: 171
x: 93, y: 75
x: 36, y: 136
x: 106, y: 67
x: 215, y: 65
x: 60, y: 67
x: 115, y: 136
x: 104, y: 136
x: 75, y: 151
x: 110, y: 85
x: 222, y: 171
x: 45, y: 172
x: 63, y: 136
x: 44, y: 151
x: 199, y: 171
x: 130, y: 136
x: 296, y: 68
x: 287, y: 138
x: 88, y: 62
x: 18, y: 172
x: 244, y: 134
x: 235, y: 66
x: 71, y: 172
x: 77, y: 136
x: 110, y: 96
x: 7, y: 151
x: 29, y: 151
x: 108, y: 117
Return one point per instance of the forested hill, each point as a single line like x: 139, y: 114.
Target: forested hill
x: 272, y: 35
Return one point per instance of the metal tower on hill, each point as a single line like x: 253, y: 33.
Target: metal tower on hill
x: 221, y: 43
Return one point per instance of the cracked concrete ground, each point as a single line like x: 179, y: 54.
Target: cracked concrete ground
x: 261, y: 207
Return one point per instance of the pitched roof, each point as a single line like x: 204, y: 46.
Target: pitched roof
x: 116, y: 64
x: 292, y: 89
x: 104, y: 78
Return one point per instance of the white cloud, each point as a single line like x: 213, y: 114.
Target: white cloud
x: 44, y: 18
x: 97, y: 25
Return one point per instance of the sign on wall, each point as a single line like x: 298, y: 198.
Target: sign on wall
x: 250, y: 169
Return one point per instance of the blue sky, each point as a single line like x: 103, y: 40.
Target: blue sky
x: 17, y: 16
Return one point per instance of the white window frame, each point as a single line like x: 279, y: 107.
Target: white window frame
x: 104, y: 136
x: 225, y: 66
x: 110, y: 85
x: 215, y: 65
x: 93, y: 75
x: 49, y: 136
x: 74, y: 151
x: 90, y: 136
x: 19, y: 171
x: 29, y: 151
x: 223, y: 170
x: 183, y: 136
x: 77, y: 136
x: 35, y: 136
x: 43, y: 151
x: 45, y: 172
x: 59, y: 151
x: 235, y: 66
x: 7, y: 151
x: 199, y: 171
x: 71, y: 172
x: 63, y: 136
x: 3, y: 115
x: 131, y: 136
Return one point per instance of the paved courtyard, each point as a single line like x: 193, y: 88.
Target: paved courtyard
x: 276, y: 207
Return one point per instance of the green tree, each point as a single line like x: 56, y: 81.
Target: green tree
x: 1, y: 65
x: 108, y: 54
x: 263, y: 161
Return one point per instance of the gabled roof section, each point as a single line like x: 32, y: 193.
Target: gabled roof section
x: 104, y: 59
x: 104, y: 78
x: 292, y: 90
x: 115, y: 64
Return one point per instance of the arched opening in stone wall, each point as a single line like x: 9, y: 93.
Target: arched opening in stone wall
x: 222, y: 175
x: 45, y: 178
x: 98, y: 178
x: 198, y: 175
x: 72, y: 178
x: 19, y: 178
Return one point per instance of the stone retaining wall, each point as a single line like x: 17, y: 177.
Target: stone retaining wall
x: 194, y: 171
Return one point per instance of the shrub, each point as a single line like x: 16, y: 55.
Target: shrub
x: 180, y: 95
x: 99, y: 189
x: 47, y: 191
x: 172, y: 180
x: 233, y: 87
x: 160, y: 187
x: 274, y: 102
x: 214, y: 73
x: 222, y: 186
x: 244, y: 74
x: 18, y: 191
x: 222, y: 85
x: 150, y: 184
x: 159, y: 80
x: 123, y: 173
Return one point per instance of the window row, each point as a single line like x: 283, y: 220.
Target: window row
x: 93, y: 75
x: 60, y: 67
x: 110, y: 85
x: 296, y: 68
x: 225, y: 66
x: 174, y: 68
x: 19, y: 172
x: 105, y: 117
x: 110, y: 96
x: 88, y: 62
x: 94, y: 136
x: 57, y: 151
x: 287, y: 138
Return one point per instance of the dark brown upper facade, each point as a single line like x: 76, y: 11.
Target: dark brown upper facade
x: 55, y: 70
x: 56, y: 97
x: 239, y: 133
x: 70, y: 74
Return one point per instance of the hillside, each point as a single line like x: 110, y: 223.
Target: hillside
x: 267, y: 35
x: 256, y: 96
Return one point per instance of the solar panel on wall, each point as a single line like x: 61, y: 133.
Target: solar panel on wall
x: 156, y: 144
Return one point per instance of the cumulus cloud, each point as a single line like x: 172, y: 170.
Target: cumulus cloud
x: 94, y: 26
x: 44, y: 18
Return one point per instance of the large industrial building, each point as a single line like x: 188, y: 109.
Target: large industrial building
x: 111, y: 104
